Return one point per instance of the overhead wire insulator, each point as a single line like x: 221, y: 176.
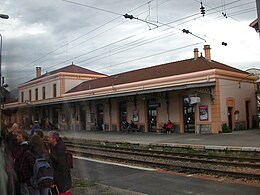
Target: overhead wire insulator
x: 202, y: 9
x: 127, y: 16
x: 188, y: 32
x: 224, y: 43
x: 224, y: 14
x: 185, y: 31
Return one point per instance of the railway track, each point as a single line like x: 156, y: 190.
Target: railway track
x: 236, y: 167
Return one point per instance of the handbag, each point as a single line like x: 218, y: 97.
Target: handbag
x: 55, y: 191
x: 65, y: 193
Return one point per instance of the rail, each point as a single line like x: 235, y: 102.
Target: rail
x: 238, y: 167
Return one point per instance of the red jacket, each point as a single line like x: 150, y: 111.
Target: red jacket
x: 169, y: 126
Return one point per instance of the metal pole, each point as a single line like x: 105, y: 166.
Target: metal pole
x: 3, y: 16
x: 1, y: 43
x: 258, y: 13
x: 1, y: 91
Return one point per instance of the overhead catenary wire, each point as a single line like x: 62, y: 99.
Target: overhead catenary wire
x: 183, y: 30
x: 65, y: 45
x: 156, y: 54
x: 110, y: 50
x: 111, y: 27
x: 89, y: 38
x: 226, y: 5
x: 117, y: 50
x: 224, y: 13
x: 92, y: 7
x: 131, y: 17
x: 223, y: 43
x: 183, y: 22
x: 108, y: 11
x: 122, y: 49
x: 97, y: 36
x: 83, y: 35
x: 85, y: 60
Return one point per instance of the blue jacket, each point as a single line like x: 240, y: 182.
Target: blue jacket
x: 34, y: 127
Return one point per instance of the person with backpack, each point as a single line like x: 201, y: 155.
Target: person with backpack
x: 62, y: 177
x: 36, y: 168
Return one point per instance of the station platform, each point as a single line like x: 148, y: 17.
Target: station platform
x: 244, y: 140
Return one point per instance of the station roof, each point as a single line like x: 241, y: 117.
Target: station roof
x: 69, y: 69
x: 158, y: 71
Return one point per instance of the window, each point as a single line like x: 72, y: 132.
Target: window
x: 30, y: 95
x: 54, y: 90
x: 22, y: 97
x: 36, y: 94
x: 43, y: 93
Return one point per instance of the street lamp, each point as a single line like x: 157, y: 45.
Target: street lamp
x: 1, y: 45
x: 3, y: 16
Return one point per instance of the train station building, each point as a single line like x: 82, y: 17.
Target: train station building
x: 199, y: 95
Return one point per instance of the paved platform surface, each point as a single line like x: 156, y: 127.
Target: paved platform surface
x: 244, y: 139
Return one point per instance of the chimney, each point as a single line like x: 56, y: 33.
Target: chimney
x: 38, y: 72
x: 196, y: 53
x: 207, y: 52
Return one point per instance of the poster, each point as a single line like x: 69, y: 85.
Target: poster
x: 90, y: 117
x: 135, y: 116
x: 203, y: 113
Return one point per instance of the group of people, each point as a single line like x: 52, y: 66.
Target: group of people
x: 43, y: 125
x: 20, y: 151
x: 129, y: 126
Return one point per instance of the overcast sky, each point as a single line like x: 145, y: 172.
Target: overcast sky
x: 95, y: 35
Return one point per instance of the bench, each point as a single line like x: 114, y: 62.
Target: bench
x: 163, y: 130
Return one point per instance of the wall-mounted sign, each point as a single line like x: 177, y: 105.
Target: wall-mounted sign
x: 204, y: 115
x: 90, y: 117
x: 154, y: 105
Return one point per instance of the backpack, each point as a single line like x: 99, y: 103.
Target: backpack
x: 42, y: 173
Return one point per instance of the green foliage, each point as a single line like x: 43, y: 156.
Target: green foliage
x: 83, y: 183
x: 225, y: 128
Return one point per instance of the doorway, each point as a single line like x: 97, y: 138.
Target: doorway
x: 188, y: 115
x: 230, y: 121
x: 123, y: 115
x: 247, y: 115
x: 100, y: 117
x: 83, y: 122
x: 152, y: 114
x: 189, y: 119
x: 55, y: 117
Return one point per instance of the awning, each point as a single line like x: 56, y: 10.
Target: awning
x: 124, y: 94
